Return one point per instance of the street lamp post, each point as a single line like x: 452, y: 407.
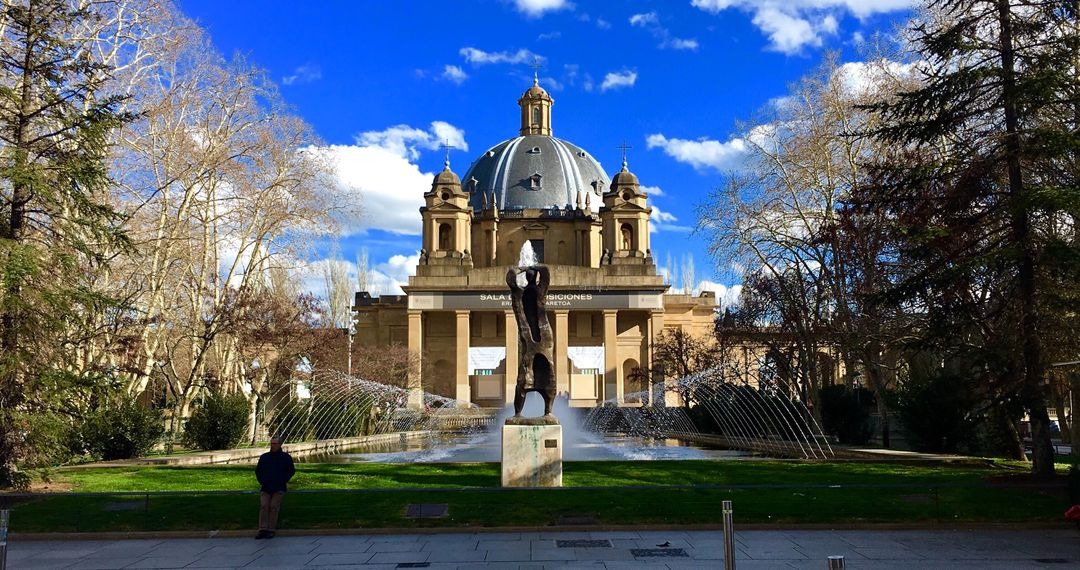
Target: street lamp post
x: 349, y: 332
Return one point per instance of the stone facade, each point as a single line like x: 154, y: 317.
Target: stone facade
x: 606, y: 301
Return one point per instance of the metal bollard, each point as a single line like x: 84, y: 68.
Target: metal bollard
x: 4, y: 514
x: 836, y: 563
x: 729, y: 537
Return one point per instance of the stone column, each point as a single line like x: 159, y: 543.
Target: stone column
x: 511, y: 337
x: 656, y: 326
x: 462, y: 393
x: 416, y: 337
x: 611, y: 356
x: 562, y: 359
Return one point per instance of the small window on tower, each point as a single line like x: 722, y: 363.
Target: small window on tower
x: 536, y: 115
x: 534, y: 181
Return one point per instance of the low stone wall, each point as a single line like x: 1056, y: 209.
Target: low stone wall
x: 247, y: 455
x: 791, y: 450
x: 772, y: 448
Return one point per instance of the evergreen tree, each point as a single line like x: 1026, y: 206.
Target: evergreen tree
x: 984, y: 161
x: 55, y: 223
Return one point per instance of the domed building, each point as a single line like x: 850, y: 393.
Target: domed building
x: 542, y: 197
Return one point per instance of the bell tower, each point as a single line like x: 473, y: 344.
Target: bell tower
x: 625, y: 218
x: 447, y: 216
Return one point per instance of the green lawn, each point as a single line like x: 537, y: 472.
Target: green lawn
x: 373, y: 495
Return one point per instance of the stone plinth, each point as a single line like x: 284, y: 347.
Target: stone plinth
x: 532, y: 455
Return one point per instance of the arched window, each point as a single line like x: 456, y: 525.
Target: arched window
x: 536, y: 116
x: 446, y: 239
x: 626, y: 235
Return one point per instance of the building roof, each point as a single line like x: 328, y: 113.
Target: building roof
x: 534, y: 171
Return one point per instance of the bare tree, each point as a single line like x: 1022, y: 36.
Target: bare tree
x: 779, y: 218
x: 338, y: 290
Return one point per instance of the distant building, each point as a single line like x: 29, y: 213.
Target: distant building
x: 607, y: 303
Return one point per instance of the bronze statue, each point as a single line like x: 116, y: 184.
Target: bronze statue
x: 535, y: 339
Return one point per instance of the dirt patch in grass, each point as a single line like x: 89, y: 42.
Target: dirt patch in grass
x: 51, y: 487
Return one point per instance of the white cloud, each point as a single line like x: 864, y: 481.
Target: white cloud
x: 619, y: 80
x: 792, y: 25
x: 829, y: 24
x: 680, y: 43
x: 406, y: 141
x: 726, y: 295
x: 588, y: 83
x: 304, y: 74
x: 651, y: 22
x: 455, y: 74
x: 379, y: 173
x: 537, y: 8
x: 552, y: 84
x: 549, y: 36
x: 394, y: 272
x: 480, y: 57
x: 386, y: 278
x: 857, y: 78
x: 787, y: 33
x: 652, y: 190
x: 661, y: 221
x: 702, y: 153
x: 387, y: 186
x: 603, y: 24
x: 648, y: 18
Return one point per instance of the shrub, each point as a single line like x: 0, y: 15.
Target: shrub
x: 845, y: 413
x: 122, y: 431
x: 937, y: 412
x: 291, y: 421
x: 332, y: 419
x: 219, y: 423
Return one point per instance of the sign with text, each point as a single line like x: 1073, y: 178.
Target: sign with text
x: 556, y: 300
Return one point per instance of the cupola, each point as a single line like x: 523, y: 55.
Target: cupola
x: 535, y: 106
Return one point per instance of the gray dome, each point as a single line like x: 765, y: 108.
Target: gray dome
x: 510, y: 169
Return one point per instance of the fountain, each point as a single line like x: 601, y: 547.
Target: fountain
x: 745, y: 416
x: 337, y: 407
x: 359, y: 420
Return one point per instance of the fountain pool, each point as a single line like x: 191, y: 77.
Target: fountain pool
x: 485, y: 447
x: 580, y: 444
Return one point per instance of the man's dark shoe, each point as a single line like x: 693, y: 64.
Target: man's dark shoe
x: 262, y: 534
x: 270, y: 534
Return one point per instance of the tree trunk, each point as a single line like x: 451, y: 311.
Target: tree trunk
x: 1058, y: 392
x: 1034, y: 387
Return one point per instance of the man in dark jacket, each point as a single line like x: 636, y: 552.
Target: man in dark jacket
x: 274, y: 470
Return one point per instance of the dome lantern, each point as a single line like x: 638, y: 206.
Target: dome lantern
x: 535, y: 110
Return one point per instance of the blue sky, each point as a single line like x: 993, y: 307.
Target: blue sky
x: 384, y: 83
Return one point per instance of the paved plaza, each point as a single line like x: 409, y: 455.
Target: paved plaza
x: 755, y: 549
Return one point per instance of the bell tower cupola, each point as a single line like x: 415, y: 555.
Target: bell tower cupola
x: 447, y: 218
x: 536, y: 110
x: 625, y: 218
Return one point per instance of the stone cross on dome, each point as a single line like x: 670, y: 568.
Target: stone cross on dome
x: 625, y: 146
x: 536, y: 67
x: 447, y: 146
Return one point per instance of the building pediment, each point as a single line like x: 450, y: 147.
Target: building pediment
x: 629, y: 207
x: 445, y: 207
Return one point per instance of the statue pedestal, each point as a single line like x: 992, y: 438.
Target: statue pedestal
x: 532, y: 454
